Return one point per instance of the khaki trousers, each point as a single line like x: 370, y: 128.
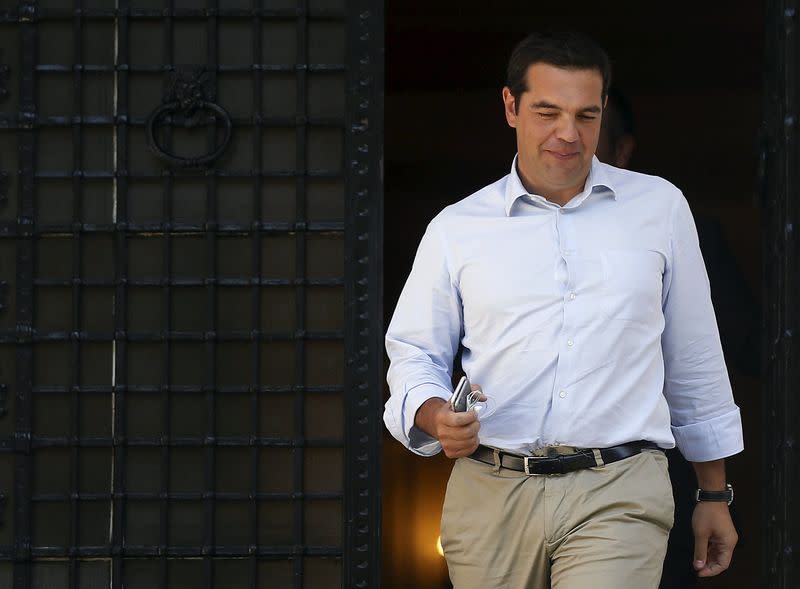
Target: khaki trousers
x: 598, y: 528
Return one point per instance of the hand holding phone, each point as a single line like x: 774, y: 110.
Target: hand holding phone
x: 464, y: 398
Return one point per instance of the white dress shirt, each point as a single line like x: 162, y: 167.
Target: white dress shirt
x: 586, y: 325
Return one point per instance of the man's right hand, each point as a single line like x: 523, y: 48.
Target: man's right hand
x: 456, y: 432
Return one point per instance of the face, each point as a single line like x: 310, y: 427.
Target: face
x: 557, y: 125
x: 615, y: 153
x: 605, y: 151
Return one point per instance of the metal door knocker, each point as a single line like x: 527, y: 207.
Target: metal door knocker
x: 187, y: 96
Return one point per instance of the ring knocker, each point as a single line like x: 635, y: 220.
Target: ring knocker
x: 171, y: 108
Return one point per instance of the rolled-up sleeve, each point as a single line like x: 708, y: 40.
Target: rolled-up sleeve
x: 705, y: 420
x: 421, y: 342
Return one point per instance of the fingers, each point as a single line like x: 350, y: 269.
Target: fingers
x: 462, y: 434
x: 719, y: 559
x: 714, y: 538
x: 463, y: 418
x: 700, y: 552
x: 712, y: 555
x: 477, y: 387
x: 458, y: 432
x: 459, y: 450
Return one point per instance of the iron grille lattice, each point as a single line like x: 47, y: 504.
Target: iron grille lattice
x: 191, y: 356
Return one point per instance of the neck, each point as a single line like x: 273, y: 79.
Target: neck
x: 557, y: 195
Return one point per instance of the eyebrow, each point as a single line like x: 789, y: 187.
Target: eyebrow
x: 545, y: 104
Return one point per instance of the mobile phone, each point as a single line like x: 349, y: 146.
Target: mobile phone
x: 459, y: 399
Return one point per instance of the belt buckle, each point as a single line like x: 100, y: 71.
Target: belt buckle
x: 552, y: 453
x: 529, y: 459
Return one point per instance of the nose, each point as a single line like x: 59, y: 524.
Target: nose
x: 567, y: 131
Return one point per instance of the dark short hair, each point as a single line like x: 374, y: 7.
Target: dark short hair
x: 565, y: 50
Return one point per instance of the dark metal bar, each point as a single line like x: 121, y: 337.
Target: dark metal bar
x: 332, y: 174
x: 77, y: 256
x: 167, y: 297
x: 267, y: 67
x: 363, y: 293
x: 267, y: 389
x: 188, y: 228
x: 182, y: 336
x: 175, y: 442
x: 300, y: 291
x: 200, y: 282
x: 100, y: 120
x: 211, y: 342
x: 55, y: 121
x: 62, y: 13
x: 147, y: 552
x: 185, y: 496
x: 120, y: 183
x: 153, y: 552
x: 26, y: 143
x: 255, y: 379
x: 779, y: 186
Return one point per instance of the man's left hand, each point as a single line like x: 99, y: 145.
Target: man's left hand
x: 714, y: 538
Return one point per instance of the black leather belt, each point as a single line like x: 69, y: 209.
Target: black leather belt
x: 562, y: 463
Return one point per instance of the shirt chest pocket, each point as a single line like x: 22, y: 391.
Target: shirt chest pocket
x: 632, y: 285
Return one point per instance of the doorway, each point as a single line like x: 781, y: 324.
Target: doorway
x: 694, y: 78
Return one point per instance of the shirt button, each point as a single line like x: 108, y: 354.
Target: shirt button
x: 562, y: 394
x: 572, y: 296
x: 569, y: 342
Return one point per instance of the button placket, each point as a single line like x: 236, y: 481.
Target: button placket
x: 565, y: 361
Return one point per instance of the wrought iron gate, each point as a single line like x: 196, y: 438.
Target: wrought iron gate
x: 190, y: 360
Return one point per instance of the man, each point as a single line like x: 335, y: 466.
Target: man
x: 737, y: 317
x: 617, y: 140
x: 579, y: 296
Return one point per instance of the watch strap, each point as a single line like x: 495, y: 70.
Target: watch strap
x: 726, y: 495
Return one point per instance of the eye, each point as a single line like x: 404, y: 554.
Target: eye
x: 547, y: 115
x: 586, y: 117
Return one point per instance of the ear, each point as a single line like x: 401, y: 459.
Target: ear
x: 509, y: 105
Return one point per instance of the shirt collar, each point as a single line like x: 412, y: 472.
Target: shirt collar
x: 597, y: 178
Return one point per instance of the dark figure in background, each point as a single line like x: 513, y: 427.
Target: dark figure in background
x: 737, y: 317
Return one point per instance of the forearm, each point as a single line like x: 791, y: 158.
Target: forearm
x: 710, y: 475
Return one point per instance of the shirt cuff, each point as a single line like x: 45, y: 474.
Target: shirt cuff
x: 418, y: 441
x: 713, y: 439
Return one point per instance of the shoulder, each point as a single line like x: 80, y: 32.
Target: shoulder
x: 484, y: 203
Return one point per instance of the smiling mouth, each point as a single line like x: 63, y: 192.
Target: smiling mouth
x: 563, y: 156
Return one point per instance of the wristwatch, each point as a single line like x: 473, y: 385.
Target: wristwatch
x: 726, y: 495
